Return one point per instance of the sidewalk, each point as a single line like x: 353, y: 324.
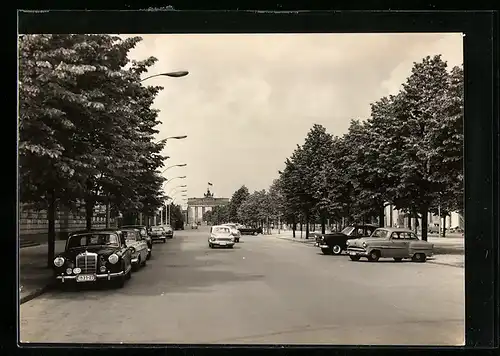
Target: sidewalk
x: 34, y: 275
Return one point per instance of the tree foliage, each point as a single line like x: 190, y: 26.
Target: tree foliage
x: 86, y: 126
x: 239, y: 196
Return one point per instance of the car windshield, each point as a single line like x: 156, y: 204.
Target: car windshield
x: 221, y: 230
x: 95, y: 239
x: 129, y: 235
x: 348, y: 230
x: 380, y: 233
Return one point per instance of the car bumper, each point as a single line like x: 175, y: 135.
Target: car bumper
x: 158, y: 237
x: 321, y: 245
x: 222, y: 243
x: 360, y: 253
x: 100, y: 276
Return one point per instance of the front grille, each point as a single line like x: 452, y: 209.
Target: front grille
x: 87, y: 261
x: 356, y: 249
x: 223, y: 239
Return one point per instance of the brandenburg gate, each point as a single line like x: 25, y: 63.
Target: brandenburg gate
x: 197, y: 207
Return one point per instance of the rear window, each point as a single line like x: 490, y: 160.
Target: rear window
x: 221, y: 230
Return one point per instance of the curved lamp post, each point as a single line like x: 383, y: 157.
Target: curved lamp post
x: 171, y: 179
x: 178, y: 74
x: 175, y: 165
x: 179, y: 186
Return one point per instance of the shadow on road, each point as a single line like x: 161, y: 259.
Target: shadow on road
x: 182, y: 265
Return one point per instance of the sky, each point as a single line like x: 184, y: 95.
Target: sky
x: 250, y: 99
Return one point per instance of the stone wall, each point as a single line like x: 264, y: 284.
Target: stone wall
x: 33, y: 224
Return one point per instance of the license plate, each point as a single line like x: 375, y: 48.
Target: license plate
x: 223, y: 243
x: 352, y: 253
x: 85, y: 278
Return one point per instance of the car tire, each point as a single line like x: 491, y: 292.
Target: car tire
x: 326, y: 251
x: 337, y: 250
x: 164, y: 241
x: 398, y: 259
x: 231, y: 246
x: 237, y: 240
x: 144, y: 262
x: 374, y: 256
x: 210, y: 245
x: 354, y: 258
x: 255, y: 233
x: 419, y: 257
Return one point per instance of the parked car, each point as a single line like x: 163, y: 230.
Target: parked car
x: 250, y: 230
x: 234, y: 232
x: 138, y: 247
x: 94, y: 255
x: 221, y: 236
x: 194, y: 226
x: 393, y: 243
x: 335, y: 242
x: 144, y: 233
x: 169, y: 232
x: 157, y: 233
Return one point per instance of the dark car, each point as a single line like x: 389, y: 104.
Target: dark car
x: 94, y: 255
x: 335, y: 242
x: 250, y: 230
x: 144, y: 233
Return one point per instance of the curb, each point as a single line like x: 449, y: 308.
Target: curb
x: 36, y: 293
x: 446, y: 264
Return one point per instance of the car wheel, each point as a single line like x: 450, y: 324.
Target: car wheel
x: 164, y: 240
x: 237, y: 240
x: 326, y: 251
x: 210, y: 245
x: 255, y: 233
x: 419, y: 257
x: 144, y: 263
x: 231, y: 246
x: 374, y: 256
x: 398, y: 259
x: 354, y: 258
x: 337, y: 250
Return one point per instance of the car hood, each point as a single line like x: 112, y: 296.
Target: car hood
x: 100, y: 250
x: 359, y: 242
x: 221, y: 235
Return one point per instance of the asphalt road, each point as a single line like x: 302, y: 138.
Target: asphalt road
x: 263, y: 291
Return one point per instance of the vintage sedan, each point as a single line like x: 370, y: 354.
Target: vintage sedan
x: 144, y: 233
x: 94, y: 255
x: 393, y: 243
x: 157, y: 233
x: 169, y: 232
x: 221, y: 236
x: 138, y: 247
x: 335, y: 242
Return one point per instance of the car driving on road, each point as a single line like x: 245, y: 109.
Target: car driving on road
x: 393, y: 243
x: 220, y: 236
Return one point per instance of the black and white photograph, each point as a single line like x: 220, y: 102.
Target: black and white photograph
x: 298, y: 188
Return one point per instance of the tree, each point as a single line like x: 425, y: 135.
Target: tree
x: 420, y: 110
x: 237, y: 199
x: 176, y: 216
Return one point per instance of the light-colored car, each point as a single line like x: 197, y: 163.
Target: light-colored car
x: 194, y: 226
x: 396, y: 243
x: 157, y: 233
x: 234, y: 231
x: 169, y: 232
x: 220, y: 235
x: 138, y: 247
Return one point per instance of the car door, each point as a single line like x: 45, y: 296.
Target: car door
x: 398, y: 246
x: 127, y: 255
x: 142, y: 246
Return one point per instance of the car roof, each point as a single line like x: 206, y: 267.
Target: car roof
x: 395, y: 229
x: 78, y: 232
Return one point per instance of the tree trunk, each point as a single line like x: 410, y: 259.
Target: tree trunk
x: 107, y: 214
x: 51, y: 236
x: 89, y: 213
x: 409, y: 220
x: 424, y: 212
x: 301, y: 223
x: 381, y: 216
x: 323, y: 225
x: 444, y: 226
x: 307, y: 226
x: 294, y: 226
x: 391, y: 217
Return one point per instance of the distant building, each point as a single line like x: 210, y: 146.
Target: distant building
x: 197, y: 207
x: 395, y: 217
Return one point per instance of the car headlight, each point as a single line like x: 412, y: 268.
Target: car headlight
x: 113, y: 258
x: 364, y: 244
x: 131, y: 250
x: 69, y: 270
x: 77, y: 270
x: 58, y: 261
x: 347, y: 243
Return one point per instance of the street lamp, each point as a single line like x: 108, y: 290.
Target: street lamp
x: 175, y: 165
x: 177, y: 74
x: 179, y: 186
x: 171, y: 179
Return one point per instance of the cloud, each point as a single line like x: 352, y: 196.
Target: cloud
x: 249, y: 99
